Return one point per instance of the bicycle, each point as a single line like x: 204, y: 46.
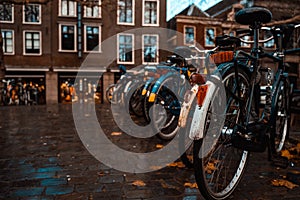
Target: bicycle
x: 221, y: 151
x: 163, y: 103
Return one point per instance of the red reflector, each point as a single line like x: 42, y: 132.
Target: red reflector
x: 202, y: 90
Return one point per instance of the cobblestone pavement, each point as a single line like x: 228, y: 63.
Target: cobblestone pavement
x: 42, y: 157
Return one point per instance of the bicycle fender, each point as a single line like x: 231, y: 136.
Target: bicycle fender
x: 186, y: 106
x: 127, y: 86
x: 159, y: 81
x: 147, y: 85
x: 199, y: 117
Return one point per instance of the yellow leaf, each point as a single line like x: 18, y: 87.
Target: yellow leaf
x: 286, y: 153
x: 176, y: 164
x: 139, y: 183
x: 116, y: 133
x: 191, y: 185
x: 284, y: 183
x: 210, y: 167
x: 159, y: 146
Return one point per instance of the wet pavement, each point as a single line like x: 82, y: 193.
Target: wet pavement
x: 42, y: 157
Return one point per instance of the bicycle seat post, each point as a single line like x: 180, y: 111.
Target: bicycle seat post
x: 255, y: 50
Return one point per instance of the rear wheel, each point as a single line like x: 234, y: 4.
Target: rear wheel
x: 280, y: 116
x: 218, y: 165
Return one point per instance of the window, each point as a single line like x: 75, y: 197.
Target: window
x: 67, y: 37
x: 189, y: 35
x: 92, y: 9
x: 246, y: 38
x: 6, y: 12
x: 126, y: 12
x: 271, y: 43
x: 150, y: 12
x: 210, y: 37
x: 125, y: 48
x: 150, y: 49
x: 8, y: 41
x: 32, y: 43
x: 92, y: 38
x: 32, y: 13
x: 67, y: 8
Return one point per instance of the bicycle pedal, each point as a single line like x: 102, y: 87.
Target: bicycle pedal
x: 280, y: 161
x: 249, y: 145
x: 252, y: 139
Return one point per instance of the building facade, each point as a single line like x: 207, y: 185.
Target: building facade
x: 46, y: 42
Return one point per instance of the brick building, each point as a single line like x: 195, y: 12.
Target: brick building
x: 46, y: 41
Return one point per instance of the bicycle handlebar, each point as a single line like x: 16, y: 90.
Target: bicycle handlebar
x: 203, y: 51
x: 275, y: 30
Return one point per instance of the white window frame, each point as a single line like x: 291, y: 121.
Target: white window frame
x: 118, y: 52
x: 40, y: 14
x: 99, y: 11
x: 133, y: 15
x: 205, y: 30
x: 13, y: 42
x: 60, y: 39
x: 158, y: 11
x: 12, y: 15
x: 157, y: 49
x: 60, y: 9
x: 24, y: 43
x: 85, y: 40
x: 184, y: 34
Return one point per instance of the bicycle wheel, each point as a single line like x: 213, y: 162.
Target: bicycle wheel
x: 166, y: 108
x: 280, y: 116
x: 165, y: 113
x: 109, y: 92
x: 218, y: 165
x: 136, y: 101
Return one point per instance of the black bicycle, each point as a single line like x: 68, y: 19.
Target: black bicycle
x: 220, y: 156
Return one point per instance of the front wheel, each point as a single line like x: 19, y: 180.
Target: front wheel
x: 219, y: 165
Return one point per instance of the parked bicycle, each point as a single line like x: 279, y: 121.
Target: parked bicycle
x: 221, y: 150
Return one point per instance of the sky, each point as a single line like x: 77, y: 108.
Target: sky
x: 176, y: 6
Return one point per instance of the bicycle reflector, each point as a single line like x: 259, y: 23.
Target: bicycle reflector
x: 144, y: 92
x: 152, y: 97
x: 201, y: 94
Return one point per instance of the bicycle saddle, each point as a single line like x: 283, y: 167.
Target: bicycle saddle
x: 225, y: 40
x: 248, y: 16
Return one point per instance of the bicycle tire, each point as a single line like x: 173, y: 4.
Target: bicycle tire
x: 136, y: 101
x: 218, y: 165
x: 109, y: 92
x: 169, y: 103
x: 280, y: 116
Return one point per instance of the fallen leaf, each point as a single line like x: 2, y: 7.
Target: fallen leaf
x: 284, y: 183
x: 191, y: 185
x: 210, y: 167
x: 286, y: 153
x: 159, y: 146
x: 116, y: 133
x: 139, y: 183
x: 176, y: 164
